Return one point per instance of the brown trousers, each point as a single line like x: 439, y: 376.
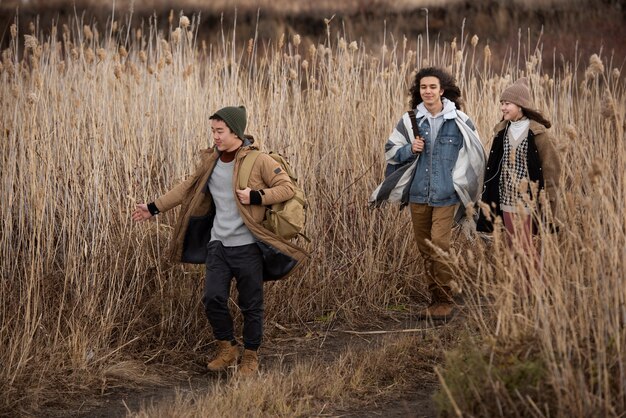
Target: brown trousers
x: 435, y: 225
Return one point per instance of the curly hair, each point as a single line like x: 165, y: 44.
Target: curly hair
x: 450, y: 90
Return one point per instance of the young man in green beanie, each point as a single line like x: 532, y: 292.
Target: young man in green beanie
x: 221, y: 225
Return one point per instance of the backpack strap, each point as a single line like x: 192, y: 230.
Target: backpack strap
x: 246, y: 168
x: 416, y: 129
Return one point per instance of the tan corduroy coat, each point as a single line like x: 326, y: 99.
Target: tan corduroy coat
x: 281, y: 257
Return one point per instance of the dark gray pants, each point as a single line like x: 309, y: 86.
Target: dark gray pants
x: 245, y: 264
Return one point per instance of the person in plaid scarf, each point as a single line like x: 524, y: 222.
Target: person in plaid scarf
x: 440, y: 162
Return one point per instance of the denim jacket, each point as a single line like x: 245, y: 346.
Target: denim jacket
x: 432, y: 182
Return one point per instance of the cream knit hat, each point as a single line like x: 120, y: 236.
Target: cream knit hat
x: 518, y: 93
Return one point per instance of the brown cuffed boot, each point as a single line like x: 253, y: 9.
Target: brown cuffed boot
x: 249, y: 365
x: 441, y: 308
x: 227, y: 355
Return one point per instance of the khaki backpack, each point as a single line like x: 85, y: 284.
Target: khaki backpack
x: 285, y: 219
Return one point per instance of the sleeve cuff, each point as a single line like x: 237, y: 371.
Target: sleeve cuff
x: 152, y: 208
x: 255, y: 197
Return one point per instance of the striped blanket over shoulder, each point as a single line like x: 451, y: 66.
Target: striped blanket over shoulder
x: 467, y: 176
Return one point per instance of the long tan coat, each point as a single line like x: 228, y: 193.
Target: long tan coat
x: 196, y: 200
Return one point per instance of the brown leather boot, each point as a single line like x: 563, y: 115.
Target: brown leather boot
x: 249, y: 365
x: 227, y: 355
x: 441, y: 308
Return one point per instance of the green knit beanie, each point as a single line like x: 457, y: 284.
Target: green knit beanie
x: 234, y: 117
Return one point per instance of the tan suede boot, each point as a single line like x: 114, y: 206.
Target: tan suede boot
x: 441, y: 308
x: 227, y: 355
x: 249, y: 365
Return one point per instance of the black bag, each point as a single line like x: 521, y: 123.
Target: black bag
x: 275, y: 263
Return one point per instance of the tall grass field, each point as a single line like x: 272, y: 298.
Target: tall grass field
x: 96, y: 117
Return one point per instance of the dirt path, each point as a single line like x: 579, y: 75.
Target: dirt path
x: 286, y: 346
